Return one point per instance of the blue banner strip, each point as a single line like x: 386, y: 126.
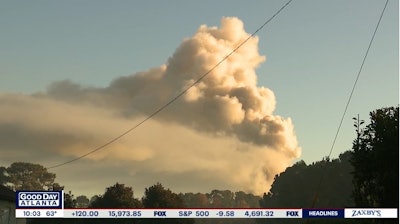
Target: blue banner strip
x: 323, y: 213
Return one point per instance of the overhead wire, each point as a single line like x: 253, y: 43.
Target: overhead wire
x: 348, y: 103
x: 172, y: 100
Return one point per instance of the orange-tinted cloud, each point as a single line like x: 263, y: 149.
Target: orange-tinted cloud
x: 222, y: 132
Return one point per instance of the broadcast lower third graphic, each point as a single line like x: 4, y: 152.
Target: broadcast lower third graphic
x: 49, y: 204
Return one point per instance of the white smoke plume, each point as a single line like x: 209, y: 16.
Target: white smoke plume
x: 221, y: 134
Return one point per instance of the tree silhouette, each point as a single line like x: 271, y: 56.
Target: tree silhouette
x: 221, y: 199
x: 116, y: 196
x: 82, y: 201
x: 376, y: 160
x: 297, y: 187
x: 69, y: 200
x: 157, y: 196
x: 198, y: 200
x: 28, y: 176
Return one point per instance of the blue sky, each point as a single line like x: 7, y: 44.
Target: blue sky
x: 313, y: 52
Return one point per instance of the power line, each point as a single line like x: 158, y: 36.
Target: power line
x: 174, y: 98
x: 348, y: 102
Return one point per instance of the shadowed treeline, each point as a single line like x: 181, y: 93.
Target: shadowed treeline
x: 365, y: 177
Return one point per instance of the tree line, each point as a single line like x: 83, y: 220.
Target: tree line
x: 366, y: 176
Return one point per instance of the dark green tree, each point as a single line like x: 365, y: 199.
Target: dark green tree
x: 198, y: 200
x: 82, y: 201
x: 246, y: 200
x: 297, y: 187
x: 326, y: 183
x: 69, y: 200
x: 221, y: 199
x: 157, y: 196
x: 375, y: 159
x: 28, y: 176
x: 116, y: 196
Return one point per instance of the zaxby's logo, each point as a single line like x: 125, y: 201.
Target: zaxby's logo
x: 366, y: 213
x: 39, y: 199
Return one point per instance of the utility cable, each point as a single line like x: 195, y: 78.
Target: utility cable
x: 172, y: 100
x: 348, y: 103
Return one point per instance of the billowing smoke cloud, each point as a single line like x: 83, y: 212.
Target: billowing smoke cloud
x: 221, y: 134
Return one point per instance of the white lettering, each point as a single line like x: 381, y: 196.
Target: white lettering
x: 38, y: 203
x: 323, y: 213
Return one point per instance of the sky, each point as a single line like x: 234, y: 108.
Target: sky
x: 74, y: 75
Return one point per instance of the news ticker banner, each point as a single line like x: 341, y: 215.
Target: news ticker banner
x: 208, y: 213
x: 49, y: 204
